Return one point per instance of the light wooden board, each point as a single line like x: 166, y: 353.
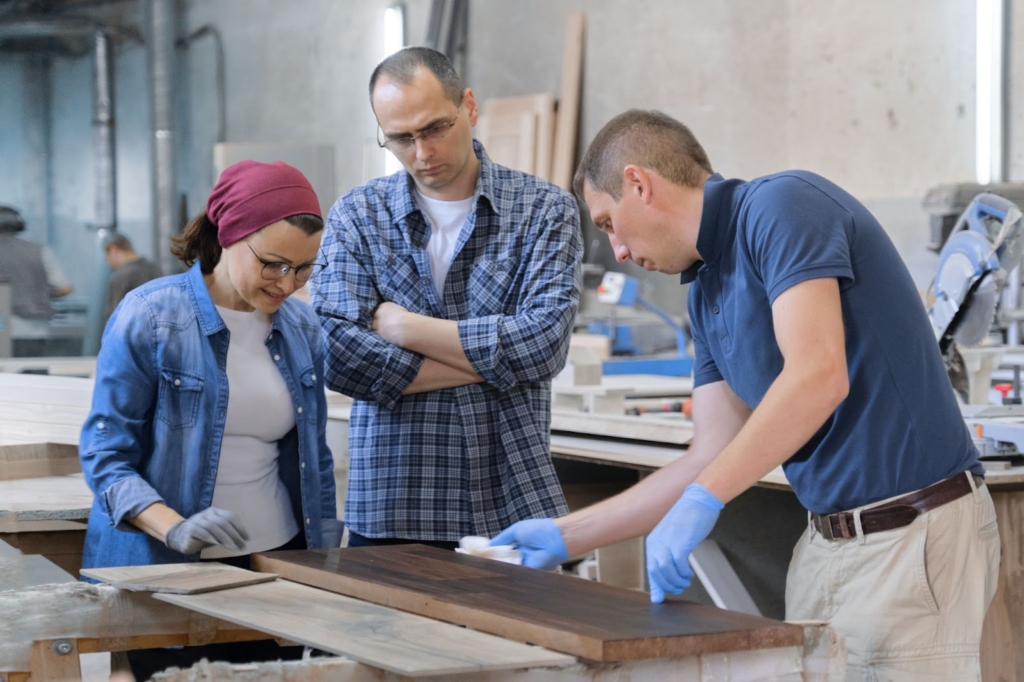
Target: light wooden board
x: 56, y: 366
x: 33, y: 460
x: 403, y: 643
x: 18, y: 571
x: 41, y: 410
x: 13, y: 410
x: 40, y: 388
x: 565, y: 613
x: 510, y: 139
x: 650, y: 385
x: 40, y: 526
x: 564, y: 161
x: 601, y: 451
x: 543, y: 106
x: 656, y: 428
x: 49, y: 497
x: 193, y: 578
x: 47, y: 664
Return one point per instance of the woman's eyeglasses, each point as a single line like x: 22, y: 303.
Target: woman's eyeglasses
x: 273, y: 270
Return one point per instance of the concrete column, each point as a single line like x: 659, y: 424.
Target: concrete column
x: 36, y: 207
x: 161, y: 29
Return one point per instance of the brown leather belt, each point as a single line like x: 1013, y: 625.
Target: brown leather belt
x: 895, y: 513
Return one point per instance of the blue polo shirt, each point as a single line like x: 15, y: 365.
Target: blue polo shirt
x: 899, y: 428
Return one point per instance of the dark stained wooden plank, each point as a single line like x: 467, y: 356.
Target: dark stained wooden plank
x: 560, y: 612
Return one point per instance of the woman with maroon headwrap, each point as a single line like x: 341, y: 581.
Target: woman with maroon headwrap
x: 206, y: 434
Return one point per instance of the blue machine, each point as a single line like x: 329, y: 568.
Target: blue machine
x: 620, y: 289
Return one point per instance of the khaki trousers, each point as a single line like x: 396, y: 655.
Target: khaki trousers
x: 909, y: 601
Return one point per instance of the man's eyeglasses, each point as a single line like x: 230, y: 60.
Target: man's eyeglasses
x: 403, y: 143
x: 276, y: 270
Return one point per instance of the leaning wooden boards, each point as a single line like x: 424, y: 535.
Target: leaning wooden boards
x: 384, y: 638
x: 563, y: 613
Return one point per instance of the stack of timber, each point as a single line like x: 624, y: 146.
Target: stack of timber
x: 40, y: 475
x: 43, y: 495
x: 534, y: 133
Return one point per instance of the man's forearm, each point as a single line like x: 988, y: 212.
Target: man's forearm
x: 434, y: 376
x: 635, y: 511
x: 792, y: 411
x: 435, y: 339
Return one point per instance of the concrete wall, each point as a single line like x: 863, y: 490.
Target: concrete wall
x: 11, y: 124
x: 298, y: 75
x: 877, y: 96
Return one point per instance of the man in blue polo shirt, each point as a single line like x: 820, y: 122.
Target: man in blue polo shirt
x: 813, y: 351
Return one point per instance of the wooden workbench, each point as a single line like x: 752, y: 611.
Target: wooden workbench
x: 48, y: 619
x: 1004, y: 622
x: 40, y: 501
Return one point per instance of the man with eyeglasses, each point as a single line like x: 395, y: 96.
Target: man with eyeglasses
x: 447, y: 304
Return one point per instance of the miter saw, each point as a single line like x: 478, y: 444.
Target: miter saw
x: 620, y: 289
x: 984, y: 246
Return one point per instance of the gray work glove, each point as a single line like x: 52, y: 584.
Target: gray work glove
x: 209, y: 527
x: 330, y: 533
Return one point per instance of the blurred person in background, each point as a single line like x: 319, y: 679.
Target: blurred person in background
x: 35, y: 278
x: 128, y: 270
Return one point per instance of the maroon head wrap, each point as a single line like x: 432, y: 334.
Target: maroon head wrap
x: 251, y: 195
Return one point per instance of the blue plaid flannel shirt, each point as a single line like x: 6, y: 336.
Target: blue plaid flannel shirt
x: 473, y: 459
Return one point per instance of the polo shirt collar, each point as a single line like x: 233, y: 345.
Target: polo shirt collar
x: 710, y: 237
x: 401, y: 201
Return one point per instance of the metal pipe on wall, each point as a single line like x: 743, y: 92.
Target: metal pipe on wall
x: 161, y: 27
x: 103, y: 134
x: 106, y: 185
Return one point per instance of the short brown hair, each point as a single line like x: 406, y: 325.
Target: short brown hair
x: 119, y: 241
x: 649, y: 139
x: 198, y: 241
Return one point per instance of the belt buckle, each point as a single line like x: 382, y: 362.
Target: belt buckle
x: 825, y: 527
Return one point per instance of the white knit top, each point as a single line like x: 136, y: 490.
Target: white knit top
x: 260, y: 413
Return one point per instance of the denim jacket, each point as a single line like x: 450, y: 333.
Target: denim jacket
x: 157, y: 419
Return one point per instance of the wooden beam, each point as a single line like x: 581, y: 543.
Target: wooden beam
x: 78, y: 610
x: 33, y: 460
x: 93, y: 645
x: 55, y: 660
x: 567, y: 125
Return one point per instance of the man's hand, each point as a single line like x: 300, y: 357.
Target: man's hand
x: 685, y: 526
x: 209, y: 527
x: 539, y: 540
x: 388, y: 322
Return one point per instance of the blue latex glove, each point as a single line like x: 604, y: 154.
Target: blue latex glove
x: 685, y: 526
x: 539, y: 540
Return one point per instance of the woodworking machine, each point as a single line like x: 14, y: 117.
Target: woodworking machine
x: 618, y: 288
